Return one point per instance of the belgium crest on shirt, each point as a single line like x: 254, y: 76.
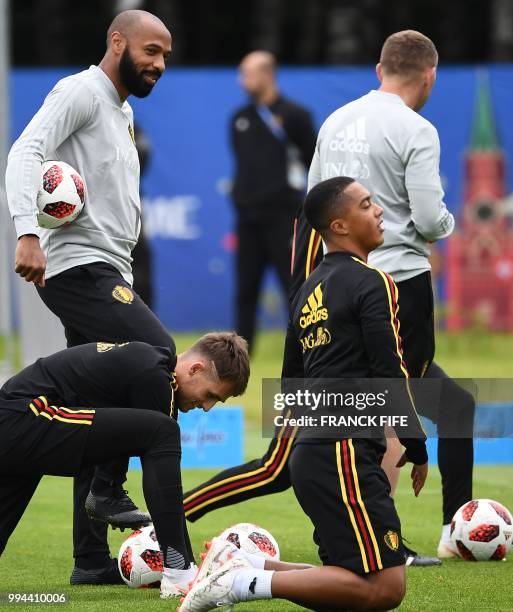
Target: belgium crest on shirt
x: 123, y: 294
x: 392, y: 540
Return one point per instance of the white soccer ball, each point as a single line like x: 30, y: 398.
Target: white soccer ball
x: 482, y: 530
x: 140, y: 560
x: 253, y: 539
x: 61, y: 194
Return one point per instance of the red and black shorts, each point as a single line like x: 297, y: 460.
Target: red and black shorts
x: 345, y: 493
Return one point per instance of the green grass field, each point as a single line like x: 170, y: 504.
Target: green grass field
x: 38, y: 556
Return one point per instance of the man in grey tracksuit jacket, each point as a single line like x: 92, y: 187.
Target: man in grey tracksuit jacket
x: 83, y: 271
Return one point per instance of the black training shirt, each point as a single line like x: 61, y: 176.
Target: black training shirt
x: 130, y: 375
x: 345, y: 322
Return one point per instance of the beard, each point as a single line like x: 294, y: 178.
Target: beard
x: 133, y: 79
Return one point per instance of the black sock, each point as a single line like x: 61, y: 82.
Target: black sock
x: 188, y: 545
x: 169, y: 525
x: 162, y: 486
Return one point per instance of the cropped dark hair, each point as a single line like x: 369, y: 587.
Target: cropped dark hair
x: 229, y: 353
x: 407, y: 54
x: 323, y: 202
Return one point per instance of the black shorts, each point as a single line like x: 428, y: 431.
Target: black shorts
x: 37, y: 438
x: 416, y: 318
x: 94, y: 302
x: 345, y: 493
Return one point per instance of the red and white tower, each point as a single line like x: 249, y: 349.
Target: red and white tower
x: 480, y: 252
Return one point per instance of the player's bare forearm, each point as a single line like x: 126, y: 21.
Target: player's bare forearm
x: 418, y: 477
x: 30, y: 261
x: 418, y: 474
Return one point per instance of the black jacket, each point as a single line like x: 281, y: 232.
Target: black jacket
x: 344, y: 320
x: 260, y: 185
x: 96, y: 375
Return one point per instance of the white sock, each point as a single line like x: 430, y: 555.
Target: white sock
x: 446, y: 533
x: 181, y: 576
x: 250, y: 584
x: 256, y: 561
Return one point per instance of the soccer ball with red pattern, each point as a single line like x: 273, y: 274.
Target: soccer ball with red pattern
x: 482, y: 529
x: 61, y: 195
x: 253, y: 539
x: 140, y: 560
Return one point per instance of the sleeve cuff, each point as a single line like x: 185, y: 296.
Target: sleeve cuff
x: 416, y: 452
x: 26, y: 224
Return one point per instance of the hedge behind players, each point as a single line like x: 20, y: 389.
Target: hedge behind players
x: 96, y: 402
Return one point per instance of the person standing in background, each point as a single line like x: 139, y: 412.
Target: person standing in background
x: 273, y: 140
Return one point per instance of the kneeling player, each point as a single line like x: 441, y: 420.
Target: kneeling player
x: 127, y: 395
x: 339, y: 483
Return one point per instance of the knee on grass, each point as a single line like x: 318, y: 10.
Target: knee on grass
x: 386, y: 594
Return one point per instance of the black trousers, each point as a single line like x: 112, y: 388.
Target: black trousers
x: 91, y: 308
x: 455, y: 410
x: 260, y: 246
x: 142, y: 269
x: 32, y: 446
x: 269, y: 474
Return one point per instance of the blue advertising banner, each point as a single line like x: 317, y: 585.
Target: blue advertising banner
x: 493, y: 431
x: 187, y: 209
x: 212, y: 439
